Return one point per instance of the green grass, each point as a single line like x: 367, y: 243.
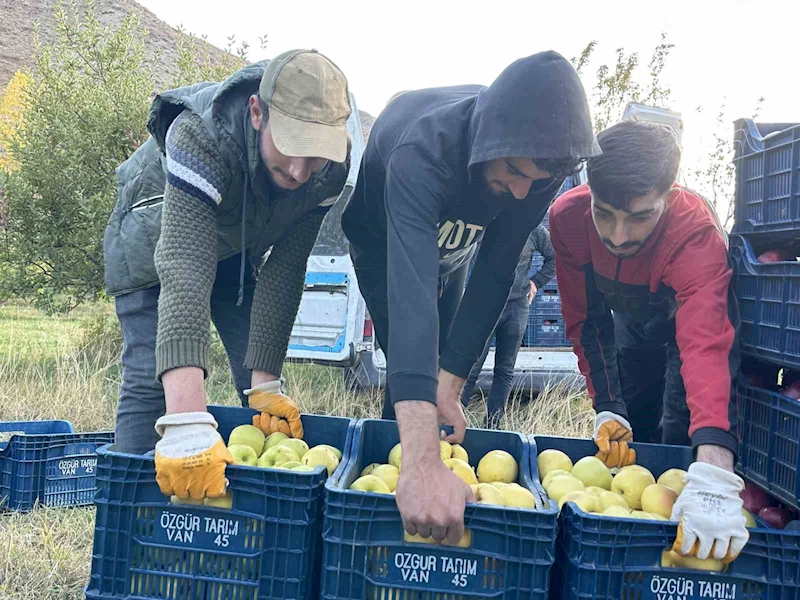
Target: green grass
x: 67, y: 367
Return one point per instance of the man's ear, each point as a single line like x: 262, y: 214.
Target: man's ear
x: 256, y: 114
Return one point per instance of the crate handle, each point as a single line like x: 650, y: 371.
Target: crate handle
x: 464, y: 542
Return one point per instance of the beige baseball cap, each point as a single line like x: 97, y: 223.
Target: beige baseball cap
x: 308, y: 105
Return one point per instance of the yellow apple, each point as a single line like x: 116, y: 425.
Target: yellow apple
x: 460, y: 453
x: 607, y: 499
x: 369, y: 468
x: 551, y: 474
x: 302, y: 468
x: 396, y: 455
x: 666, y: 559
x: 370, y: 483
x: 298, y: 445
x: 562, y: 485
x: 190, y: 501
x: 488, y: 494
x: 592, y: 472
x: 594, y: 490
x: 516, y: 495
x: 243, y: 455
x: 321, y: 456
x: 462, y: 469
x: 750, y: 520
x: 692, y: 562
x: 389, y: 474
x: 630, y: 483
x: 497, y: 465
x: 673, y: 479
x: 277, y: 456
x: 586, y: 501
x: 336, y: 452
x: 225, y: 501
x: 550, y: 460
x: 247, y: 435
x: 445, y: 450
x: 464, y: 542
x: 658, y: 499
x: 644, y: 516
x: 617, y: 511
x: 273, y: 439
x: 290, y: 465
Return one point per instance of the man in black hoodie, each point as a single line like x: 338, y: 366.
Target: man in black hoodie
x: 443, y: 169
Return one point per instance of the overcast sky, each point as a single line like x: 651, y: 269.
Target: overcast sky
x: 731, y: 51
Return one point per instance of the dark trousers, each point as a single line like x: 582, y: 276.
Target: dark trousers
x: 650, y: 375
x: 141, y: 398
x: 508, y: 333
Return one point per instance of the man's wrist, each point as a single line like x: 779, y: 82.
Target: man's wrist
x: 184, y: 390
x: 259, y: 377
x: 417, y: 421
x: 718, y: 456
x: 449, y: 385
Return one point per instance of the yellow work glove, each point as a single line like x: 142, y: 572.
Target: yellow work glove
x: 709, y: 510
x: 612, y: 434
x: 191, y: 456
x: 278, y: 412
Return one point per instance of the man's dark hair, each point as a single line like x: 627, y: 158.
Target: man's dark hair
x: 638, y: 158
x: 560, y: 167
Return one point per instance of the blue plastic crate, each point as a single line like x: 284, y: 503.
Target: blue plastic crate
x: 267, y: 546
x: 510, y: 556
x: 49, y: 464
x: 767, y: 159
x: 769, y: 304
x: 606, y: 558
x: 769, y: 441
x: 546, y: 326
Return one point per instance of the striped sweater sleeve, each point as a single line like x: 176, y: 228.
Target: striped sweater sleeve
x: 186, y: 253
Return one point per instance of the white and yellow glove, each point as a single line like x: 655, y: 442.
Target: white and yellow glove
x: 191, y: 456
x: 278, y: 411
x: 612, y: 434
x: 709, y: 510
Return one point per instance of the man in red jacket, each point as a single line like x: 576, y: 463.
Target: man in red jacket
x: 645, y: 288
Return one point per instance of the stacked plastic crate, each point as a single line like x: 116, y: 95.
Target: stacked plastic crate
x: 763, y: 248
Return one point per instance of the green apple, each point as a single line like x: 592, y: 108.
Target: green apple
x: 321, y: 456
x: 302, y: 468
x: 191, y: 501
x: 550, y: 460
x: 460, y: 453
x: 592, y: 472
x: 273, y: 439
x: 372, y: 484
x: 290, y: 465
x: 562, y: 485
x: 657, y: 499
x: 617, y: 511
x: 298, y: 445
x: 586, y: 501
x: 630, y: 483
x: 497, y: 465
x: 462, y: 469
x: 674, y: 479
x: 608, y: 499
x: 247, y: 435
x: 336, y: 452
x: 395, y: 455
x: 369, y: 468
x: 389, y: 474
x: 225, y: 501
x: 554, y: 473
x: 750, y: 520
x: 277, y: 456
x: 243, y: 455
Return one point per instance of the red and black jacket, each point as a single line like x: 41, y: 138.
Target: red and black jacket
x: 680, y: 272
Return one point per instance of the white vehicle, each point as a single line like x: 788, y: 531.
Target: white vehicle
x: 333, y: 326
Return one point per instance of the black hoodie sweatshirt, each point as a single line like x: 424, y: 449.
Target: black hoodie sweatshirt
x: 421, y: 204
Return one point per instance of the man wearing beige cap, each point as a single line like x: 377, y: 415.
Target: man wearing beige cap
x: 230, y: 170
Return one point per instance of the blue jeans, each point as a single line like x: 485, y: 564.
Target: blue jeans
x: 141, y: 398
x: 508, y: 334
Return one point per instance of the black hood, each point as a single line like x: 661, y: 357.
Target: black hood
x: 536, y: 108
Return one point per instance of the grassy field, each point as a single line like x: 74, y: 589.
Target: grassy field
x: 67, y: 367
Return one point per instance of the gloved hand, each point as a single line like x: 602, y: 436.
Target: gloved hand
x: 191, y: 456
x: 612, y: 434
x: 278, y: 412
x: 710, y: 513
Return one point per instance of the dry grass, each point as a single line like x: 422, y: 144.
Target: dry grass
x: 68, y: 368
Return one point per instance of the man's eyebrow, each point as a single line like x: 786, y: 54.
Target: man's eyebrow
x: 642, y: 213
x: 516, y: 171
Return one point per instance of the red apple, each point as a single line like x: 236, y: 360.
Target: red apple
x: 775, y: 516
x: 771, y: 256
x: 792, y: 390
x: 755, y: 498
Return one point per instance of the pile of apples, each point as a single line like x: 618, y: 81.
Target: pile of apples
x: 632, y: 492
x: 758, y: 502
x: 250, y: 447
x: 494, y: 482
